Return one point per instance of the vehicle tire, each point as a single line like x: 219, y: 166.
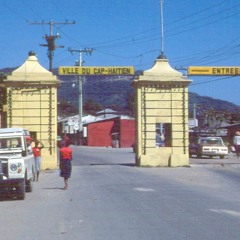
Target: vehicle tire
x: 199, y: 155
x: 29, y: 185
x: 221, y: 157
x: 21, y: 190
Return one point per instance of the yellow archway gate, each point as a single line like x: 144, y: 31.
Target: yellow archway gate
x: 162, y: 116
x: 32, y: 104
x: 162, y: 111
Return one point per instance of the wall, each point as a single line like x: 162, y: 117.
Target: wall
x: 127, y: 133
x: 99, y: 133
x: 32, y: 104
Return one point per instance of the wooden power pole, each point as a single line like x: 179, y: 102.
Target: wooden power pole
x: 50, y: 39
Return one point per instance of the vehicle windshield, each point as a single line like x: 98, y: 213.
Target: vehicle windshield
x: 210, y: 141
x: 13, y: 142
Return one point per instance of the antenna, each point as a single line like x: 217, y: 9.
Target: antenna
x: 162, y: 33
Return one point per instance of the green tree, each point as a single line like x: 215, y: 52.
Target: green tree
x: 66, y: 108
x: 131, y: 103
x: 91, y: 107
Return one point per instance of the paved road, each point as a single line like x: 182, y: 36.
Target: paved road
x: 111, y: 199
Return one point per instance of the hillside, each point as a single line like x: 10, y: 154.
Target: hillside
x: 107, y: 91
x: 117, y: 92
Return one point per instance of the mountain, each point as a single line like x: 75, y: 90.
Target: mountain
x: 107, y: 91
x: 117, y: 92
x: 203, y: 103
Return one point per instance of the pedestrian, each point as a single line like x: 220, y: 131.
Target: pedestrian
x: 29, y: 142
x: 64, y: 139
x: 236, y: 142
x: 65, y: 163
x: 37, y: 155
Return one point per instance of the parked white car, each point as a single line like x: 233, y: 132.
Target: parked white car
x: 208, y: 146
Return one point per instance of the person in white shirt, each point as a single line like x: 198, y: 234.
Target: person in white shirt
x: 236, y: 142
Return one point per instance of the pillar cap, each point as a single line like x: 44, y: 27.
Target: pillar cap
x: 162, y: 56
x: 162, y: 68
x: 32, y: 71
x: 31, y: 53
x: 31, y: 66
x: 161, y: 72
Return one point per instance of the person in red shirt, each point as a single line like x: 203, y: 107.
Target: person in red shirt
x: 37, y: 155
x: 65, y: 163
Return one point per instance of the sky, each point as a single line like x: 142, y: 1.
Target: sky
x: 128, y: 33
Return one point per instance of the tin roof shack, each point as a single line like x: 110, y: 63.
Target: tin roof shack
x: 115, y: 132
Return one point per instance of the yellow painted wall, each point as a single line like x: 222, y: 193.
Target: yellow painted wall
x: 161, y: 97
x: 32, y: 104
x: 36, y: 110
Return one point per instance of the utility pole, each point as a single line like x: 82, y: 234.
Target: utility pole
x: 50, y: 39
x: 80, y: 82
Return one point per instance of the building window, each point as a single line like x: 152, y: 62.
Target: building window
x: 163, y: 135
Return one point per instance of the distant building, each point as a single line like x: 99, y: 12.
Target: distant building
x: 192, y: 123
x: 107, y: 113
x: 111, y: 132
x: 106, y: 129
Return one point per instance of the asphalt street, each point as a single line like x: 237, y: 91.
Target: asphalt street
x: 110, y: 198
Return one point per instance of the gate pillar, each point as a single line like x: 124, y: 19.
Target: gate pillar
x: 32, y: 104
x: 161, y: 96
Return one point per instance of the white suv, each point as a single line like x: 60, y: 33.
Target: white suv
x: 16, y: 162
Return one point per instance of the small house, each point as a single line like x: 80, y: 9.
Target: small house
x: 114, y: 131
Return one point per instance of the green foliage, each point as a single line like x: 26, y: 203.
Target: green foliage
x: 91, y: 107
x: 66, y: 108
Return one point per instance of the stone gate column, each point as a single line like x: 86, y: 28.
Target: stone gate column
x: 32, y: 104
x: 161, y: 95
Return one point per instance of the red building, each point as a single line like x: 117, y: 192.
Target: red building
x: 115, y: 132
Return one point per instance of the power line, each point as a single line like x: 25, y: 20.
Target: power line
x: 214, y: 80
x: 50, y: 39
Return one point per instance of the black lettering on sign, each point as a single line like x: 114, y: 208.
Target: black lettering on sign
x: 85, y: 71
x: 64, y: 70
x: 126, y: 71
x: 95, y: 70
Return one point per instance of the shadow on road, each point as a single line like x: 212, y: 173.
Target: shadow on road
x: 118, y: 164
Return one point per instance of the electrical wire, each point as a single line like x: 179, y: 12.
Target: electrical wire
x: 214, y: 80
x: 153, y: 34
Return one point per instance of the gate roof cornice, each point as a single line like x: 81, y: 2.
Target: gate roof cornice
x: 161, y: 72
x: 31, y: 71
